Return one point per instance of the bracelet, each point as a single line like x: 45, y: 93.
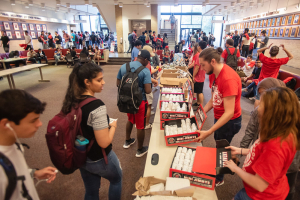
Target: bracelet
x: 241, y: 151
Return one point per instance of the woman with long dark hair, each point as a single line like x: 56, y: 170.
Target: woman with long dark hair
x: 166, y: 40
x: 265, y: 167
x: 84, y: 81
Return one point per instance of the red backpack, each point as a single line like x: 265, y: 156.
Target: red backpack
x: 61, y: 135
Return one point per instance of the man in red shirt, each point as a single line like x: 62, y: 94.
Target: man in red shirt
x: 199, y: 75
x: 229, y: 47
x: 226, y: 88
x: 270, y: 67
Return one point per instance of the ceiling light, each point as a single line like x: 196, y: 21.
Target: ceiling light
x: 207, y: 1
x: 86, y: 2
x: 148, y: 4
x: 297, y: 5
x: 68, y: 5
x: 57, y: 8
x: 115, y: 2
x: 58, y: 2
x: 232, y: 4
x: 12, y: 2
x: 225, y: 7
x: 145, y: 2
x: 120, y: 4
x: 26, y: 5
x: 251, y: 4
x: 241, y: 7
x: 30, y: 2
x: 203, y: 4
x: 215, y: 12
x: 43, y: 6
x: 69, y: 10
x: 176, y: 2
x: 259, y: 1
x: 234, y: 10
x: 220, y: 10
x: 238, y: 1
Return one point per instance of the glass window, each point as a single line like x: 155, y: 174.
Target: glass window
x: 197, y: 8
x: 191, y: 26
x: 186, y: 8
x: 165, y: 9
x: 95, y: 24
x: 176, y: 9
x: 206, y: 24
x: 102, y: 20
x: 186, y: 19
x: 196, y: 19
x: 85, y: 26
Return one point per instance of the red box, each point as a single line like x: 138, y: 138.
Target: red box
x: 185, y: 138
x: 207, y: 165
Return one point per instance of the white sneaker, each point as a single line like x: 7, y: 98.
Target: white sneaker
x: 148, y: 126
x: 152, y: 113
x: 252, y: 98
x: 244, y: 90
x: 152, y: 108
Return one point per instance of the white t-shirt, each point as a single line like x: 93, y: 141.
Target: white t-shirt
x: 20, y: 165
x: 87, y: 37
x: 27, y: 39
x: 249, y: 71
x: 246, y: 42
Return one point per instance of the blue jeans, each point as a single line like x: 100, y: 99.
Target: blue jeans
x: 227, y: 131
x: 164, y: 59
x: 92, y: 172
x: 254, y: 86
x: 242, y: 195
x: 57, y: 58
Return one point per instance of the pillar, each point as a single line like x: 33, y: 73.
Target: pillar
x: 119, y: 28
x: 154, y: 22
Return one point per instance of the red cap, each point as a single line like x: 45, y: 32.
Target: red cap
x: 167, y: 47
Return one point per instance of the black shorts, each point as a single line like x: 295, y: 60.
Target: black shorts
x: 191, y: 70
x: 198, y: 87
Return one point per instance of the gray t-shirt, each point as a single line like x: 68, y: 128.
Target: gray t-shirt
x: 265, y: 41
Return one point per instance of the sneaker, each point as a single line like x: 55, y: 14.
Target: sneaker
x: 252, y: 98
x: 148, y: 126
x: 140, y: 153
x: 195, y: 104
x: 152, y: 113
x: 128, y: 144
x: 152, y: 108
x: 219, y: 183
x: 55, y: 64
x: 244, y: 90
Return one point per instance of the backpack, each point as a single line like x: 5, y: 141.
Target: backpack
x: 166, y: 40
x: 76, y: 38
x: 297, y: 91
x: 40, y: 39
x: 231, y: 60
x: 61, y: 135
x: 177, y: 48
x: 130, y: 37
x: 129, y: 94
x: 158, y: 42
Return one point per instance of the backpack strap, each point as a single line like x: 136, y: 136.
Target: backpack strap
x: 11, y: 175
x: 235, y: 52
x: 128, y: 67
x: 228, y: 52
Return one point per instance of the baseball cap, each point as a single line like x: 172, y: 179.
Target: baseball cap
x: 145, y: 54
x: 149, y: 49
x: 167, y: 47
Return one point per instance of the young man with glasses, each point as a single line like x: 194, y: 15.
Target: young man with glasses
x: 254, y: 75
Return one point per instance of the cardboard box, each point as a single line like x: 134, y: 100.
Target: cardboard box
x: 185, y: 69
x: 175, y: 82
x: 185, y: 138
x: 182, y: 68
x: 207, y: 164
x: 172, y: 93
x: 170, y: 75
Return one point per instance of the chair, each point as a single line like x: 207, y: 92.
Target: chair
x: 69, y: 60
x: 84, y: 58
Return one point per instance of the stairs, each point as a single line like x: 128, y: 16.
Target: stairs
x: 118, y: 60
x: 171, y: 37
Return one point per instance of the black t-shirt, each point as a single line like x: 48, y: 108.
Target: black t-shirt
x: 5, y: 40
x: 93, y: 38
x: 94, y: 117
x: 256, y: 72
x: 236, y: 39
x: 59, y: 39
x: 73, y: 53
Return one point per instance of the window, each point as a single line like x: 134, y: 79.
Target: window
x: 176, y: 9
x: 186, y: 8
x: 206, y: 24
x: 186, y: 19
x: 85, y: 26
x: 197, y: 8
x: 196, y: 19
x: 95, y: 24
x: 165, y: 9
x: 102, y: 20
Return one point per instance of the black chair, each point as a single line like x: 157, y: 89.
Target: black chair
x: 69, y: 60
x: 84, y: 58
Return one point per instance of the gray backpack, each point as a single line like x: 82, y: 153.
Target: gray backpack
x: 231, y: 60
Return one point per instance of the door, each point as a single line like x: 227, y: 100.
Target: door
x: 104, y: 31
x: 184, y: 34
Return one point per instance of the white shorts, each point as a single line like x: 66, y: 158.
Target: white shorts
x: 149, y: 98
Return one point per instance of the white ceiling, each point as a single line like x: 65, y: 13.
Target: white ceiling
x: 220, y: 3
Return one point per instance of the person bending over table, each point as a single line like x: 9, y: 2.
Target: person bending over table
x: 226, y: 92
x: 41, y: 55
x: 31, y: 56
x: 14, y: 54
x: 269, y: 158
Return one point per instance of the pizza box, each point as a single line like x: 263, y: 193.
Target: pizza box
x: 185, y: 138
x: 207, y: 164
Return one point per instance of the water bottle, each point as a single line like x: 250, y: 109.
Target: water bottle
x: 81, y: 142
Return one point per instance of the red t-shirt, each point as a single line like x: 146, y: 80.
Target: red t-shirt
x: 228, y: 83
x: 231, y: 49
x: 270, y: 67
x: 200, y: 76
x: 270, y: 160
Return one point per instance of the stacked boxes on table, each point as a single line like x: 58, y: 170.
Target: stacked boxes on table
x: 200, y: 165
x: 183, y: 131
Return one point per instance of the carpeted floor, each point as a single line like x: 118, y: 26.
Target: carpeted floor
x: 71, y: 187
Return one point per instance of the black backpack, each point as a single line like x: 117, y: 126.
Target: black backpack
x: 158, y: 42
x: 130, y: 37
x: 297, y: 91
x: 177, y: 48
x: 129, y: 94
x: 231, y: 60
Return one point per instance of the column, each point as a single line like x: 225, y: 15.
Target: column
x: 154, y: 22
x: 119, y: 28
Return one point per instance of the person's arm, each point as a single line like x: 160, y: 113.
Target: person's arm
x: 246, y: 65
x: 208, y: 106
x: 105, y: 136
x: 147, y: 87
x: 251, y: 132
x: 196, y: 69
x: 287, y: 52
x: 259, y: 51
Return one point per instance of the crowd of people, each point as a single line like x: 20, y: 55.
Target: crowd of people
x: 270, y: 144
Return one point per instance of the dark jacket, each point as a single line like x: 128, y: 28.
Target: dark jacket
x: 40, y: 54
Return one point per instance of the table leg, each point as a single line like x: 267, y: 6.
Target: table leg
x: 9, y: 81
x: 42, y: 79
x: 12, y: 81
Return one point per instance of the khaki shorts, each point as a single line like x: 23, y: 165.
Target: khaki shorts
x: 149, y: 98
